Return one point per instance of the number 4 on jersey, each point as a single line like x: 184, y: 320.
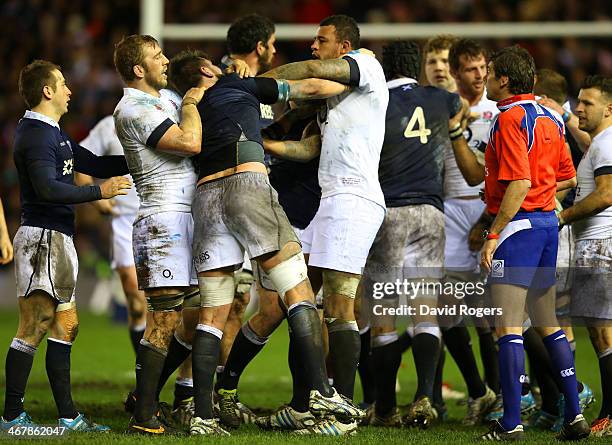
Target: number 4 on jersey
x: 417, y: 118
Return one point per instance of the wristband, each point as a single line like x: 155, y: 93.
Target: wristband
x: 189, y: 102
x: 492, y: 236
x: 566, y: 116
x: 455, y: 133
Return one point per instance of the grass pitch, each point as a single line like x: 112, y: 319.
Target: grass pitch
x: 102, y: 374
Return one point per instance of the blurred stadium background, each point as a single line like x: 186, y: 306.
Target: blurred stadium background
x: 573, y: 37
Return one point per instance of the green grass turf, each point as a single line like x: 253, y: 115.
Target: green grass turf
x: 102, y: 373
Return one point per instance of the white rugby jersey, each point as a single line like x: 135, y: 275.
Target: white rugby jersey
x: 352, y: 132
x: 476, y: 135
x: 165, y: 182
x: 102, y: 141
x: 597, y: 156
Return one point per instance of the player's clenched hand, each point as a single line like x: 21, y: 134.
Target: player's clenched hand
x: 6, y: 250
x: 486, y: 256
x: 194, y: 95
x: 462, y: 117
x: 239, y: 67
x: 119, y: 185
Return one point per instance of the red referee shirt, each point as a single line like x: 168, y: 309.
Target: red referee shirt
x: 526, y: 142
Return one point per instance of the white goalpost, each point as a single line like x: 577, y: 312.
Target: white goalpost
x: 152, y: 23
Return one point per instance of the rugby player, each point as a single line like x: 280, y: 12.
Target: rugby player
x: 462, y: 209
x: 103, y: 140
x: 410, y: 242
x: 235, y: 210
x: 250, y: 39
x: 525, y: 163
x: 352, y: 205
x: 591, y: 219
x: 46, y: 262
x: 157, y: 150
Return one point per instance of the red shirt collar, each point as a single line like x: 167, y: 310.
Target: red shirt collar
x: 503, y: 104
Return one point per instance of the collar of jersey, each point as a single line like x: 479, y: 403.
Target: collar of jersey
x: 136, y: 92
x: 506, y: 104
x: 399, y: 82
x: 29, y: 114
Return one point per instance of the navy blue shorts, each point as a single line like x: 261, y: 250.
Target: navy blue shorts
x: 527, y: 251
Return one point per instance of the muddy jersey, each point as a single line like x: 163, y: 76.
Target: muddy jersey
x: 416, y: 137
x: 477, y: 137
x: 102, y: 140
x: 352, y: 132
x: 165, y: 182
x: 596, y: 161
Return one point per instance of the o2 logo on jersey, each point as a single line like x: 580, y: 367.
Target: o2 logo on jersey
x: 167, y: 273
x: 497, y: 269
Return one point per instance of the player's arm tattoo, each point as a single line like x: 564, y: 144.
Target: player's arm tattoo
x: 332, y: 69
x: 304, y: 150
x: 315, y: 89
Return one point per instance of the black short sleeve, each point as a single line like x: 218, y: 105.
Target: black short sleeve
x: 265, y: 89
x: 158, y: 133
x: 355, y: 73
x: 606, y: 170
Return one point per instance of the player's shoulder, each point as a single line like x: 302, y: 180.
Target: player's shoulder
x: 602, y: 142
x: 106, y: 125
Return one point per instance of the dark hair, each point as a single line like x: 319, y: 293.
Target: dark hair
x: 551, y: 84
x: 129, y: 53
x: 247, y: 31
x: 401, y: 58
x: 346, y: 28
x: 439, y: 43
x: 33, y: 78
x: 517, y: 64
x: 184, y: 69
x: 602, y: 83
x: 469, y: 48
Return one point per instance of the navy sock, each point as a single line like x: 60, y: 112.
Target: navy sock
x: 490, y: 362
x: 459, y: 344
x: 177, y: 354
x: 388, y: 359
x: 563, y: 362
x: 512, y: 374
x: 605, y: 371
x: 57, y: 362
x: 366, y: 374
x: 425, y: 350
x: 205, y: 356
x: 17, y: 370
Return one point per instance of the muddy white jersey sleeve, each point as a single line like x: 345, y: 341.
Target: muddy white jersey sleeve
x: 596, y: 161
x: 164, y: 181
x: 353, y: 130
x: 102, y: 140
x: 477, y: 137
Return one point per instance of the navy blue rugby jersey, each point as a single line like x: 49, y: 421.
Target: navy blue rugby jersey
x: 411, y: 169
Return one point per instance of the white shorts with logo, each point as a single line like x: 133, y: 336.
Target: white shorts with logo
x: 45, y: 260
x: 341, y: 233
x: 123, y: 253
x: 460, y: 216
x: 162, y: 250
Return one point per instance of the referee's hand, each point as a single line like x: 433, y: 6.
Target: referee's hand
x: 486, y: 256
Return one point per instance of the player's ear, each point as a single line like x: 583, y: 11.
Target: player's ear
x: 138, y: 71
x: 346, y: 47
x: 261, y: 48
x: 503, y: 82
x: 206, y: 71
x: 47, y: 92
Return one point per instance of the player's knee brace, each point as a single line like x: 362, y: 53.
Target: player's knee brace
x: 335, y: 283
x: 191, y: 298
x: 288, y: 274
x: 216, y: 291
x: 66, y: 317
x: 166, y: 303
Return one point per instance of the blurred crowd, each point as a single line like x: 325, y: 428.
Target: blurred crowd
x: 79, y: 36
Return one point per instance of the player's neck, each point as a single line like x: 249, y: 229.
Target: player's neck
x: 473, y: 99
x: 143, y: 86
x: 250, y: 59
x: 46, y: 110
x: 605, y: 124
